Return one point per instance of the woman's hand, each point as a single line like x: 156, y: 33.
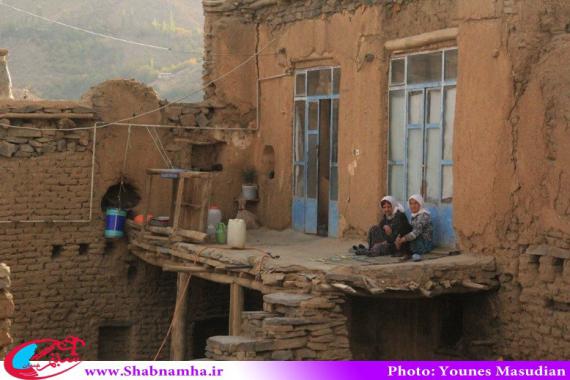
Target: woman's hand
x: 388, y: 230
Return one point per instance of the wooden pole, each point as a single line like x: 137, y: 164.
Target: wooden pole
x: 236, y: 308
x: 178, y: 337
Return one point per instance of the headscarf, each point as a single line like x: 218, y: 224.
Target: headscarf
x: 418, y: 198
x: 396, y: 206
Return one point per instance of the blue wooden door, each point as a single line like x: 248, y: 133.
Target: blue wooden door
x: 333, y: 175
x: 315, y: 130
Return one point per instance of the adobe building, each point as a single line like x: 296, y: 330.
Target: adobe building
x: 335, y: 104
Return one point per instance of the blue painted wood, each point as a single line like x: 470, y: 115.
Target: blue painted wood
x: 442, y: 219
x: 333, y: 219
x: 311, y: 212
x: 298, y: 211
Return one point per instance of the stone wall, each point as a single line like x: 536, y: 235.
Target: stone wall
x: 291, y: 327
x: 6, y: 309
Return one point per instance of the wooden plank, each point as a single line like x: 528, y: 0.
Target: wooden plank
x: 178, y: 204
x: 182, y: 268
x: 148, y: 188
x: 236, y: 308
x: 423, y: 39
x: 178, y: 337
x: 165, y: 231
x: 195, y: 236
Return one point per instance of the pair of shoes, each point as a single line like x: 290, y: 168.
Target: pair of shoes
x: 416, y: 257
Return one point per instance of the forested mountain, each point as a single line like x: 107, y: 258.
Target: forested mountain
x: 55, y: 62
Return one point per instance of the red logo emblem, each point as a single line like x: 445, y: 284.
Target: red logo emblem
x: 43, y: 358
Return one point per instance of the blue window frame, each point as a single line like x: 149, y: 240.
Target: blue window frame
x: 422, y: 110
x: 421, y: 116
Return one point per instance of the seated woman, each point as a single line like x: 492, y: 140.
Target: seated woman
x: 421, y: 236
x: 382, y: 237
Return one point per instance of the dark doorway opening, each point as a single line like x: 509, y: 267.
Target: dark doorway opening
x: 208, y: 314
x: 205, y: 329
x: 252, y: 300
x: 407, y: 329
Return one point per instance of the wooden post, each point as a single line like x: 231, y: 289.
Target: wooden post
x: 236, y: 308
x: 178, y: 337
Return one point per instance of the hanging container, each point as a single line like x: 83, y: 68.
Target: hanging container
x: 236, y: 233
x: 249, y: 192
x: 115, y: 223
x: 214, y: 217
x: 221, y: 233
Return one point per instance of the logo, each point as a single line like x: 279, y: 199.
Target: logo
x: 43, y: 358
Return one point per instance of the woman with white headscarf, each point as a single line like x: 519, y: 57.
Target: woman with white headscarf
x: 394, y: 223
x: 421, y: 236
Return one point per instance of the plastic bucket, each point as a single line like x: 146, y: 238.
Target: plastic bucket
x: 115, y: 223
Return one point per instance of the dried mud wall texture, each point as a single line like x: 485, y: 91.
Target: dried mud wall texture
x: 67, y: 278
x: 512, y: 121
x: 319, y: 34
x: 6, y: 309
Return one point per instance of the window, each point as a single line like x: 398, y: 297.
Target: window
x: 421, y: 115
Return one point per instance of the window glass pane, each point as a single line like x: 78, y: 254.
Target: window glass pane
x: 312, y: 171
x: 299, y: 181
x: 424, y: 68
x: 397, y: 125
x: 433, y: 163
x: 415, y: 158
x: 449, y: 121
x: 313, y: 115
x: 451, y: 64
x: 334, y: 132
x: 434, y: 106
x: 319, y: 82
x: 336, y: 81
x: 300, y: 85
x: 397, y: 181
x: 299, y: 131
x: 334, y: 183
x: 447, y: 183
x: 397, y: 71
x: 416, y: 107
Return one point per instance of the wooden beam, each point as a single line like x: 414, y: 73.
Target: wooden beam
x: 195, y: 236
x: 178, y: 337
x: 236, y: 308
x: 423, y: 39
x: 183, y: 268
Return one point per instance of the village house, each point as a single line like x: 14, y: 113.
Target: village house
x: 334, y: 103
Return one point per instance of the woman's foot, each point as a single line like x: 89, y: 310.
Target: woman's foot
x: 416, y: 257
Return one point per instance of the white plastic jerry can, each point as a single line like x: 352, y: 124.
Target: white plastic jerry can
x: 236, y: 233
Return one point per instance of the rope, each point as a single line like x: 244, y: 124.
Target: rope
x: 162, y: 154
x: 172, y: 321
x: 127, y: 146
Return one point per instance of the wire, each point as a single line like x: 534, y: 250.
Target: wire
x: 118, y: 39
x: 79, y: 29
x: 243, y: 63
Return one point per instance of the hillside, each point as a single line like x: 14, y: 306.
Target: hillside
x: 55, y: 62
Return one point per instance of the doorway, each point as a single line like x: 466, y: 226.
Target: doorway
x: 315, y: 151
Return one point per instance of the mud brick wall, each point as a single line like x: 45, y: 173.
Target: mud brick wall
x: 67, y: 279
x: 6, y: 309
